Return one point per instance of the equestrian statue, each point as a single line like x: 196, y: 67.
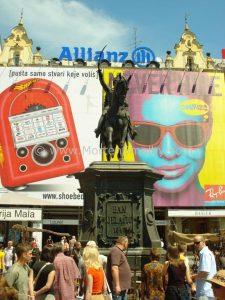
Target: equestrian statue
x: 114, y: 125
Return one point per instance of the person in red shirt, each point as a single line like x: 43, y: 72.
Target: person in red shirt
x: 33, y: 243
x: 95, y: 277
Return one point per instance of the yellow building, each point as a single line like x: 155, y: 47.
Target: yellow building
x: 17, y: 49
x: 189, y: 54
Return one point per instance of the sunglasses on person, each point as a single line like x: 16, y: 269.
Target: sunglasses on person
x: 197, y: 242
x: 187, y: 135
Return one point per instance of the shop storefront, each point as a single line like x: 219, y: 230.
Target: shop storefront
x: 197, y: 220
x: 10, y: 216
x: 57, y: 219
x: 70, y: 226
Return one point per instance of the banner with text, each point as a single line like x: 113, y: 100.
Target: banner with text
x: 47, y: 121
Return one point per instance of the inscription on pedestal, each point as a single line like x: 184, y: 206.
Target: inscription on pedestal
x: 119, y: 218
x: 119, y: 214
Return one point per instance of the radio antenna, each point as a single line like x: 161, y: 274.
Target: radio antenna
x: 136, y: 42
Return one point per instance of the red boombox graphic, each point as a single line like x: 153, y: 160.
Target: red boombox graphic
x: 37, y: 133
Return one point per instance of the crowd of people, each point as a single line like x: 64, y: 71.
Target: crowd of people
x: 173, y: 279
x: 65, y: 271
x: 60, y: 271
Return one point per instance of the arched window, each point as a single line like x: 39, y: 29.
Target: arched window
x: 190, y: 63
x: 17, y: 60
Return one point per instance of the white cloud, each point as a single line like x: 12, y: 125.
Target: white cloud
x: 52, y: 24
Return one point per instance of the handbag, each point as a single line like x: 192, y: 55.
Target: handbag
x: 108, y: 295
x: 38, y: 274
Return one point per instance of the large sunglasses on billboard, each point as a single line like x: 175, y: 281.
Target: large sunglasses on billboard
x: 187, y: 135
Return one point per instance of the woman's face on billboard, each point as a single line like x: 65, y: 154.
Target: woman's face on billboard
x: 171, y: 139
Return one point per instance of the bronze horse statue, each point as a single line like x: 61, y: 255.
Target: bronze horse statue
x: 114, y: 125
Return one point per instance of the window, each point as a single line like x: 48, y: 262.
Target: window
x: 17, y: 60
x: 190, y: 63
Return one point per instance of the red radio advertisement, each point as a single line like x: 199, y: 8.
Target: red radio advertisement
x: 47, y: 130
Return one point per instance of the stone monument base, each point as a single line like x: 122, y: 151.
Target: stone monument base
x: 118, y: 201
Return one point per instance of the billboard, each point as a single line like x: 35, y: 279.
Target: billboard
x: 178, y: 115
x: 47, y: 121
x: 179, y: 119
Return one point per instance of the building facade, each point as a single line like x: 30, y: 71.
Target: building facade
x: 57, y: 202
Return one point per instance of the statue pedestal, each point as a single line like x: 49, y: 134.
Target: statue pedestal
x: 118, y: 201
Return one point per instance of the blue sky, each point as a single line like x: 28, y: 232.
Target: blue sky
x: 159, y: 24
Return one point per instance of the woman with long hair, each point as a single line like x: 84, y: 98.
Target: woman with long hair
x: 177, y: 276
x: 44, y: 273
x: 94, y: 275
x: 152, y: 279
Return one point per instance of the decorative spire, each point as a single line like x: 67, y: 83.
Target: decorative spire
x: 21, y: 18
x: 186, y: 22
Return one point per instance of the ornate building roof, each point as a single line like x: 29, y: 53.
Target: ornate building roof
x: 189, y: 53
x: 17, y: 48
x: 19, y: 35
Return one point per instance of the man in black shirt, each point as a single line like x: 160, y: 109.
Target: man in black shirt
x: 118, y: 269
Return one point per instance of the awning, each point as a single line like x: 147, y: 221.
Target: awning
x: 176, y: 237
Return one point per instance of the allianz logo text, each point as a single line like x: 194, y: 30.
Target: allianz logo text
x: 140, y: 55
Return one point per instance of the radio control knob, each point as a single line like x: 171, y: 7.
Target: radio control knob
x: 22, y: 152
x: 61, y: 143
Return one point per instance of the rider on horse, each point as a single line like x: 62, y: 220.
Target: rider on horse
x: 113, y: 95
